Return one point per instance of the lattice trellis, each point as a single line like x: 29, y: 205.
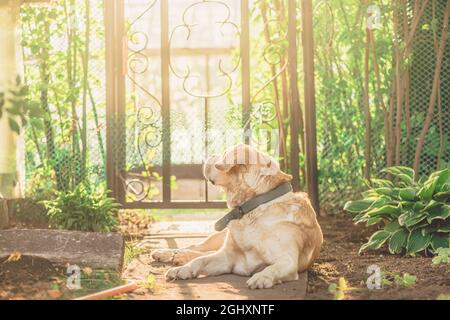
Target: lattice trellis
x: 436, y: 152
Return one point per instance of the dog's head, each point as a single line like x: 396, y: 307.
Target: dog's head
x: 243, y: 172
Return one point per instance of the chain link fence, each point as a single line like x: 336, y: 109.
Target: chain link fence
x: 64, y: 55
x: 64, y: 66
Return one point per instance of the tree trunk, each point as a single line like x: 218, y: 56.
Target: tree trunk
x: 9, y: 70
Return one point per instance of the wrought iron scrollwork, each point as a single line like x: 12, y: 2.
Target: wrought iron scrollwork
x: 188, y: 28
x: 146, y: 121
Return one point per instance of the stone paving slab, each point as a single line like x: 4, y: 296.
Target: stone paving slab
x: 61, y: 247
x: 182, y: 233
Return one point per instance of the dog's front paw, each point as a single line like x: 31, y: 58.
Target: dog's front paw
x: 260, y: 281
x: 181, y: 257
x: 183, y: 273
x: 163, y: 255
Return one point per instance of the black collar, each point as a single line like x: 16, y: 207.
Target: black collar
x: 253, y: 203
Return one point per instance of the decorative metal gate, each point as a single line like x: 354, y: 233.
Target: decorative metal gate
x: 179, y: 87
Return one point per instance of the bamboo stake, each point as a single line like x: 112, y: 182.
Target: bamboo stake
x: 85, y: 64
x: 381, y: 103
x: 367, y: 116
x: 398, y: 88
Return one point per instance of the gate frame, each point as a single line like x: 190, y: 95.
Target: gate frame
x: 116, y: 71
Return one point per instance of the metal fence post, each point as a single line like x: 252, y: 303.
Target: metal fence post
x: 165, y: 78
x: 245, y: 68
x: 294, y: 95
x: 115, y: 96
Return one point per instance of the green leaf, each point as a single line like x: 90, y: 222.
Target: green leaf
x: 417, y: 242
x: 407, y: 194
x: 442, y: 214
x: 400, y: 170
x: 387, y: 210
x: 445, y: 226
x: 442, y: 197
x: 435, y: 183
x: 373, y: 221
x: 358, y: 206
x: 379, y: 203
x: 360, y: 217
x: 418, y: 206
x: 392, y: 226
x: 398, y: 241
x: 390, y: 192
x: 407, y: 181
x: 426, y: 192
x: 442, y: 255
x: 14, y: 125
x: 406, y: 280
x: 375, y: 241
x: 409, y: 219
x: 432, y: 205
x: 439, y: 241
x: 381, y: 183
x: 442, y: 177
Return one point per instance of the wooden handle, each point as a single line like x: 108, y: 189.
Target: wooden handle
x: 111, y: 292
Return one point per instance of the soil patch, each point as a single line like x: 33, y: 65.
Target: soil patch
x: 26, y: 270
x: 340, y: 258
x: 29, y: 278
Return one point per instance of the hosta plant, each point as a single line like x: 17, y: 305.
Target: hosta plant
x: 414, y: 216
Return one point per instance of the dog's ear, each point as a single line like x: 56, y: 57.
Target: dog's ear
x: 232, y: 157
x: 270, y: 166
x: 274, y: 174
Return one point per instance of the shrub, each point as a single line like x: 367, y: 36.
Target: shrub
x: 83, y: 210
x: 414, y: 215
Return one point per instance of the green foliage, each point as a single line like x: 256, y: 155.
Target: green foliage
x: 82, y: 209
x: 442, y: 256
x: 38, y: 186
x: 415, y: 215
x: 340, y: 289
x: 17, y: 107
x: 64, y: 72
x: 63, y: 51
x: 400, y: 280
x: 405, y: 280
x: 150, y: 282
x: 132, y: 251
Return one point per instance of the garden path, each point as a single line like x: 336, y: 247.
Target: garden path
x: 184, y: 230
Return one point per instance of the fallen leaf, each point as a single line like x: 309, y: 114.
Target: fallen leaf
x: 15, y: 256
x: 87, y: 271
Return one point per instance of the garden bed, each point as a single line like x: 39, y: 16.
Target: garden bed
x: 340, y: 258
x: 37, y: 279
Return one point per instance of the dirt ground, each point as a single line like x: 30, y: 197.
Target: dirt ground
x: 340, y: 258
x: 33, y: 278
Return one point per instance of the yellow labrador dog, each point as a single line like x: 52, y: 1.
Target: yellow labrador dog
x: 272, y: 243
